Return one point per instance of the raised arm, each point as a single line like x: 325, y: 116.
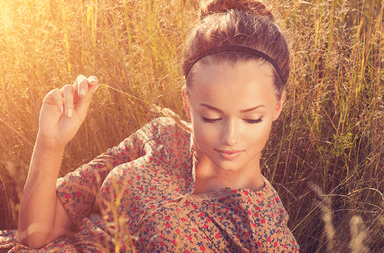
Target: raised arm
x: 42, y: 217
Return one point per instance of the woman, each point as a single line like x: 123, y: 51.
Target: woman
x: 173, y: 186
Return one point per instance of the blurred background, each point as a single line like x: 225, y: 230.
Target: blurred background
x: 326, y: 153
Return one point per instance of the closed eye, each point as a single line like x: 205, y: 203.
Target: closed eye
x: 254, y: 121
x: 250, y: 121
x: 206, y: 120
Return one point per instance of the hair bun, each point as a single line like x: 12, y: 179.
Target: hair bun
x: 256, y: 8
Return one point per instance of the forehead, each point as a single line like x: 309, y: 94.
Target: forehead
x: 238, y: 85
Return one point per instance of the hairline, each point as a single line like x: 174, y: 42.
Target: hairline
x: 226, y: 59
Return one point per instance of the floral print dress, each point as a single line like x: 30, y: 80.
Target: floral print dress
x: 137, y: 197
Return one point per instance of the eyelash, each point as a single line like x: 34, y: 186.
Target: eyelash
x: 250, y: 121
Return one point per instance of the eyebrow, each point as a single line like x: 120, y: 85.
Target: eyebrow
x: 242, y: 111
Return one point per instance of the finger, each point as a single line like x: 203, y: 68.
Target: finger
x: 81, y: 86
x: 69, y: 93
x: 58, y: 97
x: 94, y: 83
x: 54, y: 97
x: 83, y: 104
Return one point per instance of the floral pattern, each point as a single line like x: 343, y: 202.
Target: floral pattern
x: 138, y: 196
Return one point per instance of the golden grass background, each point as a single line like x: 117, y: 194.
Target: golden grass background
x: 326, y: 153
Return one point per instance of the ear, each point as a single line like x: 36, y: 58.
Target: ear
x: 185, y: 102
x: 279, y: 106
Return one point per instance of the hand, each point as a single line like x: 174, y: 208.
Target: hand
x: 63, y: 111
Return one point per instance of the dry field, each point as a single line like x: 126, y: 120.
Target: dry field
x: 326, y: 153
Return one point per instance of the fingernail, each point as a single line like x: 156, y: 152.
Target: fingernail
x: 69, y: 113
x: 82, y: 91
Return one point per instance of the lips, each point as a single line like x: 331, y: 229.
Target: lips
x: 230, y: 154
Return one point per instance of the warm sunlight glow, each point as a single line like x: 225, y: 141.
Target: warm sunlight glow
x: 5, y: 17
x: 330, y: 133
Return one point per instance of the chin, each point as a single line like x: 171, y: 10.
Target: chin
x: 234, y: 163
x: 228, y: 165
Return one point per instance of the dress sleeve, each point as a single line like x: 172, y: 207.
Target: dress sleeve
x: 78, y: 189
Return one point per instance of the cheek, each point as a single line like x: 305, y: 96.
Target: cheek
x: 257, y: 137
x: 204, y: 133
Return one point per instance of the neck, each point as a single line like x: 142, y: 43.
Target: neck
x: 210, y: 177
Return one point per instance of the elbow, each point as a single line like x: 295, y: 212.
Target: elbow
x: 33, y: 241
x: 33, y: 237
x: 37, y: 237
x: 32, y: 244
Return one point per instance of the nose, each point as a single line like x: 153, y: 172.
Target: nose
x: 230, y: 133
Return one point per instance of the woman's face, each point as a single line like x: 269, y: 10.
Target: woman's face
x: 232, y: 107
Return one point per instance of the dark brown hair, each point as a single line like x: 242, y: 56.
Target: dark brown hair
x: 237, y: 22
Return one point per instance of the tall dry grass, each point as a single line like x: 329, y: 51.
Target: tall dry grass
x: 330, y: 133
